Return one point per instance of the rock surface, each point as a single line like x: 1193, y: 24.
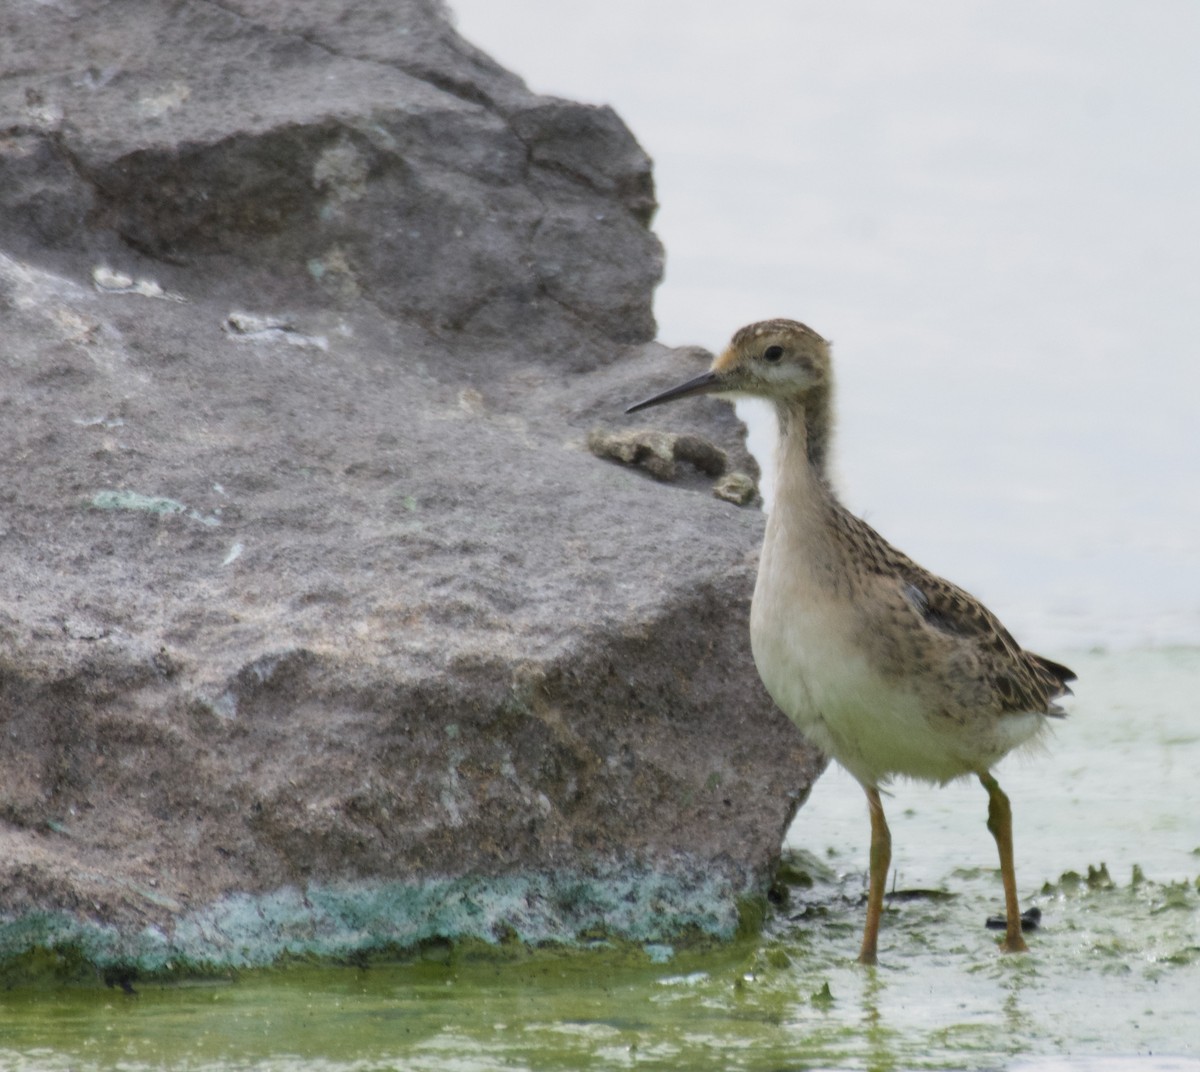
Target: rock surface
x: 308, y: 580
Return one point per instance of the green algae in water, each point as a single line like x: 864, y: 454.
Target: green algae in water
x: 1109, y: 975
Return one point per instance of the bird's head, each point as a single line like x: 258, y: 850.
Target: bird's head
x: 780, y: 360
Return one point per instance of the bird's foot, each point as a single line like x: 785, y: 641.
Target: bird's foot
x: 1014, y: 944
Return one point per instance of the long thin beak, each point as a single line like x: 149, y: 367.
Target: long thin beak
x: 702, y: 384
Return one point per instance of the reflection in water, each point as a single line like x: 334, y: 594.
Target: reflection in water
x: 880, y: 1055
x: 1016, y: 1017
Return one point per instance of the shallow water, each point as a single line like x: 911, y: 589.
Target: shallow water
x: 1108, y: 846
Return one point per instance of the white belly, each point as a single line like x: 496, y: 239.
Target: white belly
x: 875, y: 727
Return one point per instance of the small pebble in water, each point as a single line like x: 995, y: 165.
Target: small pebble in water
x: 1031, y: 919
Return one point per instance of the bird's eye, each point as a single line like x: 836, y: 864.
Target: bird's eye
x: 773, y: 353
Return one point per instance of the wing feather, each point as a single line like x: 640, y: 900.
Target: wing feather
x: 1021, y: 680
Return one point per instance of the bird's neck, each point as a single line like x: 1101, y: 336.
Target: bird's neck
x: 802, y: 530
x: 805, y: 430
x: 805, y: 504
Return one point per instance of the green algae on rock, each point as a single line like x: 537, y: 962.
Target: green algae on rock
x: 341, y: 920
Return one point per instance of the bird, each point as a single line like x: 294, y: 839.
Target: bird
x: 889, y: 669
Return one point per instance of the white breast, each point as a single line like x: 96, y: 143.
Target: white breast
x: 803, y: 641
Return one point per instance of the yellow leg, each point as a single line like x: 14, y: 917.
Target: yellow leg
x: 881, y: 860
x: 1000, y: 824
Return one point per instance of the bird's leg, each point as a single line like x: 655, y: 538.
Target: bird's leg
x: 1000, y: 824
x: 881, y: 860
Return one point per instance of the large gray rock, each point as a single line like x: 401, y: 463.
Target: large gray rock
x: 366, y: 151
x: 307, y: 577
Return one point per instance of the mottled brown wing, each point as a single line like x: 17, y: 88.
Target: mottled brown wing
x: 1023, y: 681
